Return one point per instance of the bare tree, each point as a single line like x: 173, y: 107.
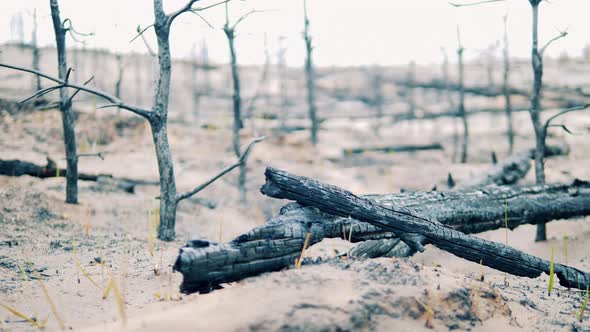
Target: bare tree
x: 35, y: 51
x: 451, y: 103
x: 411, y: 95
x: 230, y: 33
x: 120, y: 73
x: 461, y: 111
x: 535, y: 111
x: 157, y: 117
x: 310, y: 76
x: 66, y: 107
x: 281, y: 71
x: 506, y: 88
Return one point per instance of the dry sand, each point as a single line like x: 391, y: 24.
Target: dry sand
x: 337, y: 295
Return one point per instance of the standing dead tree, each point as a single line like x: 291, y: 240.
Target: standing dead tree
x: 120, y: 72
x: 411, y: 91
x: 535, y: 111
x: 281, y: 72
x: 230, y: 33
x: 310, y: 77
x: 35, y: 51
x: 156, y: 116
x: 506, y: 88
x: 66, y: 106
x: 461, y: 110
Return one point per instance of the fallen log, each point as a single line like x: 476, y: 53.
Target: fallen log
x: 276, y: 244
x: 415, y: 230
x: 17, y: 167
x: 512, y: 169
x: 394, y: 148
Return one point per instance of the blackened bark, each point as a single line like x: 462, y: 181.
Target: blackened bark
x: 414, y: 229
x: 276, y: 244
x: 66, y: 108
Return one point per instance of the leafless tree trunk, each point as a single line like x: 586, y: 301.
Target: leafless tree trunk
x: 158, y: 123
x: 535, y: 111
x: 446, y: 81
x: 35, y: 51
x: 462, y: 113
x: 195, y: 92
x: 157, y: 116
x: 310, y: 75
x: 281, y: 64
x: 66, y: 108
x: 120, y: 72
x: 506, y: 89
x: 237, y: 104
x: 411, y: 90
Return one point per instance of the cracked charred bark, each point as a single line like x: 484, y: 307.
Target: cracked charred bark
x: 416, y: 230
x: 276, y: 244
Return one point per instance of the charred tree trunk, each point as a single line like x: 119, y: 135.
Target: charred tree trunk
x: 415, y: 230
x: 506, y: 89
x: 20, y: 168
x: 535, y: 111
x: 120, y: 72
x: 237, y: 109
x: 66, y: 107
x: 35, y: 51
x: 462, y: 113
x: 276, y: 244
x: 411, y: 97
x: 281, y: 70
x: 310, y: 78
x: 395, y: 148
x: 158, y: 123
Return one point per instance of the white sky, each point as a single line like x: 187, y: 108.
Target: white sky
x: 345, y: 32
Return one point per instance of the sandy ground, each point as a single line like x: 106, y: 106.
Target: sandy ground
x: 48, y: 238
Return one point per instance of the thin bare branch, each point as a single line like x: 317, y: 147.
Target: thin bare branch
x: 561, y: 35
x: 472, y: 3
x: 41, y: 93
x: 188, y: 7
x: 202, y: 18
x: 226, y: 170
x: 243, y: 17
x: 562, y: 112
x: 77, y: 91
x: 141, y: 112
x: 140, y: 31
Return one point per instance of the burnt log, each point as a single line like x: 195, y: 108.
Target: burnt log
x: 394, y: 148
x: 512, y: 169
x: 416, y: 230
x: 276, y: 244
x: 17, y: 167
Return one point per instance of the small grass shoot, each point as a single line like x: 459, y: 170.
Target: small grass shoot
x: 551, y: 273
x: 81, y: 268
x: 429, y: 313
x: 580, y: 315
x: 52, y: 305
x: 565, y: 248
x: 305, y: 244
x: 34, y: 322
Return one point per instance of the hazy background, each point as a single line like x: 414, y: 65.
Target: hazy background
x: 345, y: 32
